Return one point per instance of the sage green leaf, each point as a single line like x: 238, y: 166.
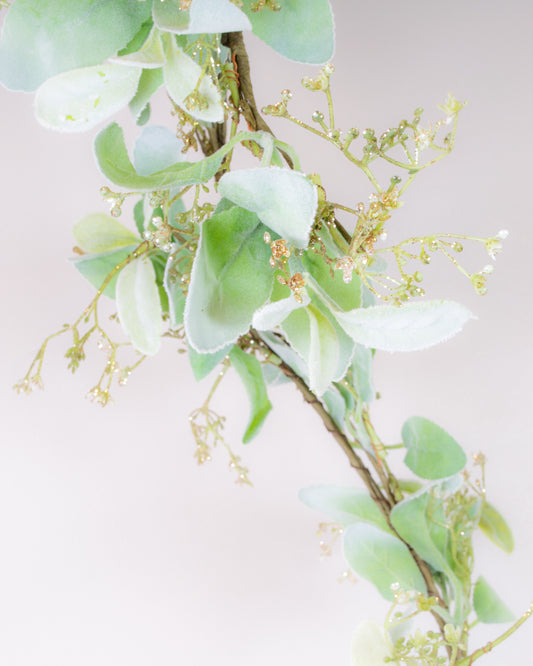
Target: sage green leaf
x: 151, y: 80
x: 285, y: 201
x: 345, y: 296
x: 431, y: 452
x: 273, y: 314
x: 96, y: 267
x: 489, y: 608
x: 169, y: 17
x: 249, y: 370
x: 204, y: 16
x: 114, y: 163
x: 231, y: 278
x: 286, y: 353
x: 100, y: 232
x: 344, y: 505
x: 369, y: 645
x: 362, y: 373
x: 174, y: 288
x: 411, y: 327
x: 495, y: 527
x: 156, y: 148
x: 149, y: 56
x: 302, y: 30
x: 182, y: 74
x: 137, y: 41
x: 138, y: 305
x: 78, y: 100
x: 42, y: 39
x: 382, y: 559
x: 203, y: 364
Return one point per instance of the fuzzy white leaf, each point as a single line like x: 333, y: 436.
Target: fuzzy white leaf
x: 369, y: 646
x: 272, y: 314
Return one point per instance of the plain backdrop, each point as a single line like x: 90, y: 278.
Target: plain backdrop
x: 116, y: 548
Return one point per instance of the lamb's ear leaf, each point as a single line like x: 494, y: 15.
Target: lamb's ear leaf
x: 302, y: 30
x: 139, y: 306
x: 203, y: 364
x: 249, y: 370
x: 347, y: 297
x: 182, y: 74
x: 151, y: 80
x: 100, y: 232
x: 149, y: 56
x: 33, y: 48
x: 96, y: 267
x: 231, y: 278
x: 285, y: 201
x: 489, y: 608
x: 382, y: 559
x: 80, y: 99
x: 156, y: 148
x: 411, y: 327
x: 431, y: 452
x: 495, y: 527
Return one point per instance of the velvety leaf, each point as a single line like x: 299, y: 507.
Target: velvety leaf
x: 100, y: 232
x: 344, y: 505
x: 369, y: 645
x: 362, y: 373
x: 411, y: 327
x: 272, y: 314
x: 345, y: 296
x: 156, y: 148
x: 249, y: 370
x: 204, y: 16
x: 169, y: 17
x: 114, y: 162
x: 173, y: 288
x: 42, y: 39
x: 285, y: 201
x: 431, y: 452
x: 231, y: 278
x: 303, y: 30
x: 78, y: 100
x: 489, y: 608
x: 382, y: 559
x: 286, y: 353
x: 151, y: 80
x: 203, y: 364
x: 494, y: 526
x: 138, y: 305
x: 181, y: 74
x: 96, y: 267
x: 149, y: 56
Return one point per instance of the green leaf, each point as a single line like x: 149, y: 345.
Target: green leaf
x: 303, y: 30
x: 114, y: 163
x: 78, y: 100
x: 204, y: 16
x: 369, y: 645
x: 411, y: 327
x: 139, y: 307
x: 150, y: 54
x: 382, y: 559
x: 96, y: 267
x: 362, y: 373
x: 273, y: 314
x: 203, y: 364
x: 494, y: 526
x: 249, y: 370
x: 285, y: 201
x: 231, y: 278
x: 42, y: 39
x: 151, y: 80
x: 344, y: 505
x: 489, y: 608
x: 100, y: 232
x: 173, y: 288
x: 345, y: 296
x: 431, y: 452
x: 156, y: 148
x: 182, y: 74
x: 287, y: 354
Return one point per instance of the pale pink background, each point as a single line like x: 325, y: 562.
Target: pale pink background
x: 116, y: 548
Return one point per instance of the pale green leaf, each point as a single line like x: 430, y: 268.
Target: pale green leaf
x: 169, y: 17
x: 42, y: 39
x: 174, y: 288
x: 431, y: 452
x: 344, y: 505
x: 156, y: 148
x: 411, y: 327
x: 362, y: 373
x: 369, y: 645
x: 96, y: 267
x: 345, y: 296
x: 287, y: 354
x: 285, y: 201
x: 231, y: 278
x: 151, y: 80
x: 138, y: 305
x: 78, y: 100
x: 204, y: 16
x: 273, y: 314
x: 249, y: 370
x: 382, y: 559
x: 495, y: 527
x: 181, y: 74
x: 203, y: 364
x: 489, y: 608
x: 150, y: 56
x: 303, y: 30
x: 100, y: 232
